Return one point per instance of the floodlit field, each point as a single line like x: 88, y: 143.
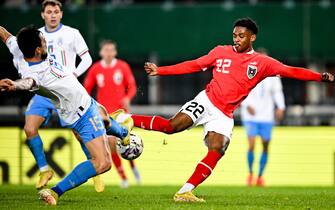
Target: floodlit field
x: 300, y: 173
x: 160, y: 198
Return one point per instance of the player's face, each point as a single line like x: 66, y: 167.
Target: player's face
x: 108, y: 52
x: 243, y: 39
x: 52, y: 16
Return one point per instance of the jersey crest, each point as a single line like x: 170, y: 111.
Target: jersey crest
x: 251, y: 71
x: 118, y: 77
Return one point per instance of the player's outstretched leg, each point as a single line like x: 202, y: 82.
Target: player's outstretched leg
x: 98, y: 182
x: 155, y: 123
x: 217, y: 145
x: 178, y: 123
x: 35, y: 144
x: 118, y: 124
x: 100, y: 163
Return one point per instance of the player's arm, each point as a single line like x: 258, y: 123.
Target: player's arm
x: 4, y: 34
x: 305, y: 74
x: 277, y: 68
x: 130, y: 82
x: 21, y: 84
x: 85, y: 63
x: 181, y: 68
x: 185, y: 67
x: 279, y: 99
x: 247, y: 104
x: 82, y: 51
x: 130, y: 86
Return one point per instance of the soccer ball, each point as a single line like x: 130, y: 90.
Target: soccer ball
x: 133, y: 150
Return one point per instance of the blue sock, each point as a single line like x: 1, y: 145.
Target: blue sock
x: 116, y: 129
x: 85, y: 150
x: 250, y: 160
x: 262, y: 163
x: 35, y: 145
x: 79, y: 175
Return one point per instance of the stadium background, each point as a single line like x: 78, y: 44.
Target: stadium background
x: 296, y: 32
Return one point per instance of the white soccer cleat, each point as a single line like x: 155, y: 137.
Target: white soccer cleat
x: 124, y: 184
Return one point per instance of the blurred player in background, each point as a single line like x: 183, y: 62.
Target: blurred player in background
x: 116, y: 87
x: 264, y: 104
x: 237, y: 69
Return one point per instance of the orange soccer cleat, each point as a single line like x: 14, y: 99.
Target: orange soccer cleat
x: 260, y: 182
x: 250, y: 180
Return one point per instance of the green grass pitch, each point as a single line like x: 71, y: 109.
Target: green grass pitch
x: 160, y: 197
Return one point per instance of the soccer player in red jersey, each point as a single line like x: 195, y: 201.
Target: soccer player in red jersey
x: 237, y: 69
x: 113, y: 77
x: 116, y: 87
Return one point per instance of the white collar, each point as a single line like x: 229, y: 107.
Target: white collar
x: 111, y: 65
x: 249, y: 53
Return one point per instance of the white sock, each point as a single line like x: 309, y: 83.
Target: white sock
x: 137, y: 175
x: 186, y: 188
x: 44, y: 168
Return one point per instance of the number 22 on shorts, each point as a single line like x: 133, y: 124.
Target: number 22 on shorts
x: 195, y: 108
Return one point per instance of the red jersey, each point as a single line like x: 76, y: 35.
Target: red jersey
x: 114, y: 83
x: 236, y: 74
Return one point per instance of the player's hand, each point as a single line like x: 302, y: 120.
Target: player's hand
x: 150, y: 68
x: 4, y: 34
x: 327, y: 77
x: 279, y: 114
x: 251, y: 110
x: 7, y: 85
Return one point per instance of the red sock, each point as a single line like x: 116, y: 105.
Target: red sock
x: 155, y: 123
x: 118, y: 165
x: 204, y: 168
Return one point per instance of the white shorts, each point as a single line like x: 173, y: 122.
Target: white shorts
x: 203, y: 112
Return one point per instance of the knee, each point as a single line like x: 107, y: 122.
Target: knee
x: 251, y: 148
x: 30, y: 130
x: 103, y: 165
x: 265, y: 146
x: 217, y: 142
